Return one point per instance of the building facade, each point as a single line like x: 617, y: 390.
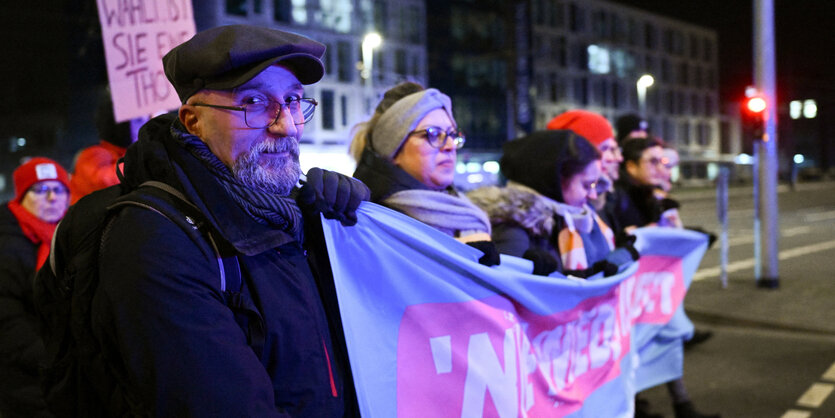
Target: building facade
x: 510, y: 66
x: 590, y: 54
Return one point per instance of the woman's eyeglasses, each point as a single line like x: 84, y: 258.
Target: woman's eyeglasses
x: 44, y: 190
x: 437, y: 137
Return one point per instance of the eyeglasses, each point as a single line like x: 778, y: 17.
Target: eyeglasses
x: 44, y: 190
x: 265, y: 114
x: 601, y: 186
x: 655, y: 161
x: 437, y: 137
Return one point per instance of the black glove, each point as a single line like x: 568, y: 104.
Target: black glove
x: 543, y: 262
x: 607, y: 267
x: 711, y: 237
x: 623, y: 239
x: 334, y: 195
x: 491, y: 255
x: 667, y: 204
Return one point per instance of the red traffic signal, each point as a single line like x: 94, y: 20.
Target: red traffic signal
x: 754, y: 109
x: 755, y: 104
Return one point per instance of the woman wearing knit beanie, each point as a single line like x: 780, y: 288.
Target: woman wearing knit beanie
x: 598, y: 131
x: 26, y: 227
x: 406, y: 154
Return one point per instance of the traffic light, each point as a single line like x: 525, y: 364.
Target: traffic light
x: 754, y: 109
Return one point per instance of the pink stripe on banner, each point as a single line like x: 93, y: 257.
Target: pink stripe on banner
x: 657, y: 289
x: 493, y: 357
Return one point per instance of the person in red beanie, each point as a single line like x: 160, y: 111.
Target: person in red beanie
x: 597, y: 130
x: 26, y: 227
x: 95, y: 166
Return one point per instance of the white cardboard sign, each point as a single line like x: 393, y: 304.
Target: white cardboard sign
x: 136, y: 35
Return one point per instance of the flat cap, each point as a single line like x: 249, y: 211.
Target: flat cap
x: 225, y: 57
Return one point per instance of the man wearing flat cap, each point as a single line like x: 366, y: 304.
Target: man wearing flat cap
x: 180, y: 344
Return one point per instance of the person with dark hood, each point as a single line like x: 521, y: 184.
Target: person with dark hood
x: 174, y: 341
x: 543, y: 213
x: 597, y: 130
x: 27, y: 224
x: 95, y: 166
x: 630, y: 125
x: 406, y: 154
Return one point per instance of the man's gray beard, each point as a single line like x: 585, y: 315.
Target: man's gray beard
x: 277, y: 176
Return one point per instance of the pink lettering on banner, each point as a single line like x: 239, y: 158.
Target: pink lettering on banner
x: 494, y: 358
x: 655, y: 291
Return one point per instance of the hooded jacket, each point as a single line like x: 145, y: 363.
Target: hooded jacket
x: 631, y: 204
x: 528, y: 214
x: 161, y: 316
x: 21, y: 348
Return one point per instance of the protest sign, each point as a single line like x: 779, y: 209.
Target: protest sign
x: 431, y: 332
x: 136, y: 35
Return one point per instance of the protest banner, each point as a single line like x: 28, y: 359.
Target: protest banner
x: 136, y: 35
x: 430, y: 332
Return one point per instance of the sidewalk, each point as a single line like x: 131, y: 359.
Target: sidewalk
x: 804, y: 301
x: 684, y: 194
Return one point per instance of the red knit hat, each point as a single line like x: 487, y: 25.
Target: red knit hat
x: 35, y: 170
x: 589, y: 125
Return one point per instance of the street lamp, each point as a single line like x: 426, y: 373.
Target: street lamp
x: 371, y: 41
x: 644, y: 82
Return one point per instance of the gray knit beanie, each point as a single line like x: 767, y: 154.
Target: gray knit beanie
x: 402, y: 117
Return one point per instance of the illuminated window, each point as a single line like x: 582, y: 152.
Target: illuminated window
x: 598, y: 60
x: 795, y: 109
x: 300, y: 11
x: 335, y: 14
x: 810, y: 109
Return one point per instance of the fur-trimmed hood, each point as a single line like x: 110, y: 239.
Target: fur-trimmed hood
x: 537, y: 214
x: 517, y: 204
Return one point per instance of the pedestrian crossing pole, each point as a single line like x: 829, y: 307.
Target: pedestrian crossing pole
x: 766, y: 225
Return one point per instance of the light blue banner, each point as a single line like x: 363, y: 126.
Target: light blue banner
x: 431, y: 332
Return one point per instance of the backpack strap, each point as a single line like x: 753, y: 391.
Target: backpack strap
x: 229, y: 267
x: 185, y: 214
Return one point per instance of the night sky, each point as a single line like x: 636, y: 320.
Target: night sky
x: 805, y: 41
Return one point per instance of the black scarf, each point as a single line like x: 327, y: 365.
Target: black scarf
x: 276, y: 211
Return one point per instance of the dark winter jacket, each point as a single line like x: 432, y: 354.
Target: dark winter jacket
x: 631, y: 204
x: 528, y: 216
x: 384, y: 178
x: 21, y: 347
x: 526, y: 224
x: 161, y: 316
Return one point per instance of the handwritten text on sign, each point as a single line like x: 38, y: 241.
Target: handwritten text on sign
x: 136, y: 35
